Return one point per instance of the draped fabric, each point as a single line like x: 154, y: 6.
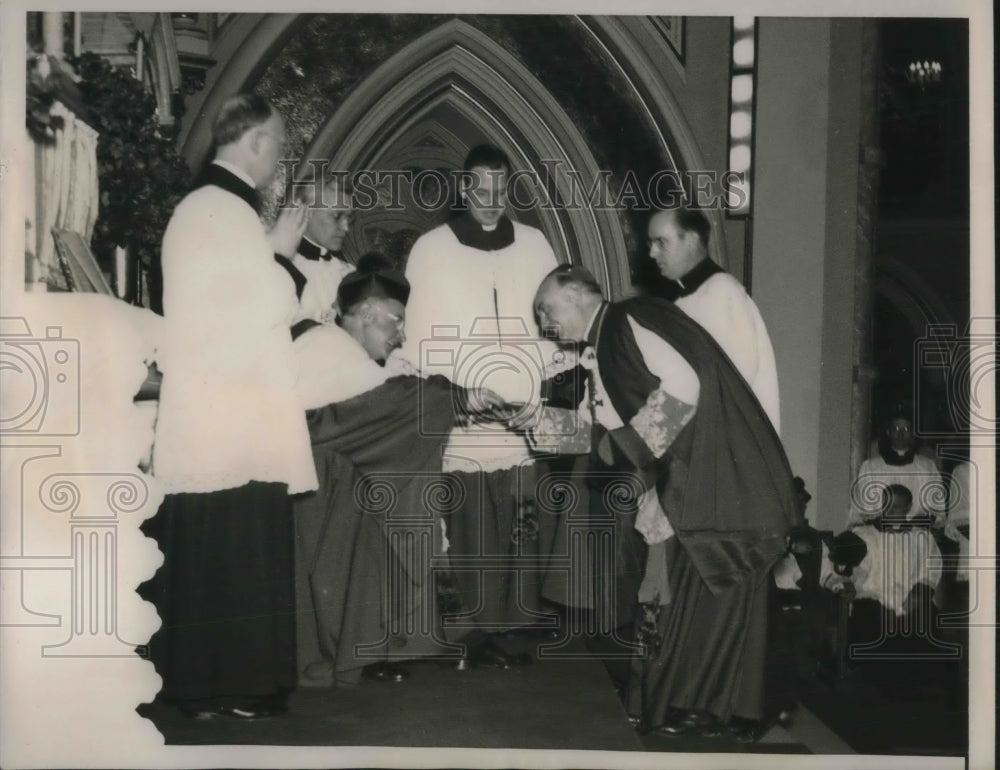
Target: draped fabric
x: 368, y: 541
x: 497, y: 523
x: 713, y: 649
x: 69, y: 197
x: 224, y: 594
x: 725, y: 483
x: 727, y: 490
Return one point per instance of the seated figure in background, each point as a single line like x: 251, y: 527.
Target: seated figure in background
x: 902, y: 563
x: 898, y: 462
x: 364, y: 542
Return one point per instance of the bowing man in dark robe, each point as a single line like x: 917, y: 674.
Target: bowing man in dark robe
x: 718, y: 505
x: 369, y: 540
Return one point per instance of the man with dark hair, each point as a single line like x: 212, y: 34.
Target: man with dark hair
x: 470, y: 319
x: 678, y: 243
x: 897, y: 461
x: 487, y: 156
x: 225, y: 592
x: 718, y: 501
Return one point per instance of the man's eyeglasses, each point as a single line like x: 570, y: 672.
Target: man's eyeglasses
x: 398, y: 320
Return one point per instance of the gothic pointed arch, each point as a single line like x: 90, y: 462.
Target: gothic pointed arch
x: 469, y: 79
x: 246, y: 46
x: 637, y: 48
x: 457, y: 78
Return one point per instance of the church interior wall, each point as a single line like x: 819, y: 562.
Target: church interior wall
x: 795, y: 236
x: 702, y: 91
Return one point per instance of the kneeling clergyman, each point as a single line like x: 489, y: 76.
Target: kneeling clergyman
x: 366, y: 541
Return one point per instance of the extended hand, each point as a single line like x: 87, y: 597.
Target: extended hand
x: 477, y: 402
x: 524, y: 418
x: 288, y: 229
x: 483, y: 400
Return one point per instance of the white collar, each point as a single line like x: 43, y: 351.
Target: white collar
x: 323, y: 250
x: 235, y: 170
x: 590, y: 323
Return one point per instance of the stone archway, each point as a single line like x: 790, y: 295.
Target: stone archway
x: 472, y: 80
x: 457, y: 81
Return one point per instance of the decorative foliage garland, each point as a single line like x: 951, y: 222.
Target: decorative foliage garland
x: 140, y: 174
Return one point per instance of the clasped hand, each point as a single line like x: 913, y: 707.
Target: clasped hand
x: 483, y: 405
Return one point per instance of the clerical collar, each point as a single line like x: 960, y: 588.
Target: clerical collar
x: 692, y: 280
x: 594, y: 326
x: 311, y: 250
x: 471, y: 234
x: 235, y: 170
x: 220, y: 174
x: 891, y: 456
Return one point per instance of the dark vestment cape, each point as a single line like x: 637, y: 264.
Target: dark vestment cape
x: 728, y: 492
x: 367, y: 539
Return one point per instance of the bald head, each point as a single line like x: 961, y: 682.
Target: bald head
x: 566, y: 301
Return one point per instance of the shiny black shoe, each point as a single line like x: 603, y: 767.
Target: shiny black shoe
x: 384, y: 672
x: 690, y: 723
x: 263, y: 709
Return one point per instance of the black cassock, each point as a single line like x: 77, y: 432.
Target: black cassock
x: 368, y: 543
x: 726, y: 487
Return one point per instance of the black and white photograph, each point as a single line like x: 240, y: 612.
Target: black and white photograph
x: 403, y: 385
